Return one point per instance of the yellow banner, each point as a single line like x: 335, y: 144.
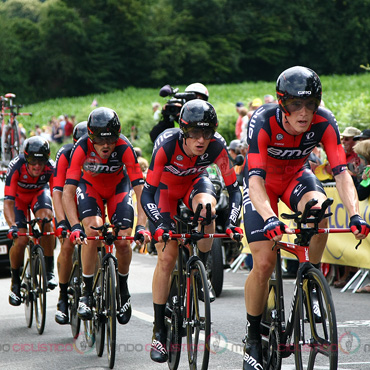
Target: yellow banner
x: 340, y: 249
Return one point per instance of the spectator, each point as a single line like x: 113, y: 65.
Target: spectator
x: 362, y: 149
x: 348, y: 143
x: 239, y: 122
x: 68, y: 128
x: 156, y: 111
x: 57, y: 131
x: 269, y: 99
x: 94, y: 103
x: 233, y: 150
x: 62, y: 121
x: 365, y: 135
x: 254, y: 105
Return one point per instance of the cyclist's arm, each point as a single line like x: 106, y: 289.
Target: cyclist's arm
x: 141, y: 216
x: 58, y: 205
x: 9, y: 212
x: 69, y: 204
x: 347, y: 193
x: 149, y: 206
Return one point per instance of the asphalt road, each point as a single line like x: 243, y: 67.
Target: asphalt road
x: 22, y: 347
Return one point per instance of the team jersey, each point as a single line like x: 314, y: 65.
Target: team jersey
x: 18, y: 180
x: 87, y: 166
x: 172, y: 167
x: 61, y: 165
x: 277, y: 155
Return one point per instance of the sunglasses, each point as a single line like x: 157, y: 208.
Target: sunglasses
x: 105, y: 140
x: 34, y: 162
x: 295, y: 105
x: 197, y: 133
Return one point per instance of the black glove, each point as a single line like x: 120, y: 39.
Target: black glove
x: 77, y: 232
x: 273, y: 227
x: 161, y: 229
x: 13, y: 232
x: 358, y: 223
x: 140, y: 233
x: 62, y: 229
x: 237, y: 231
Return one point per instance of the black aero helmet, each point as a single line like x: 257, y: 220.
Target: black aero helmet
x: 103, y: 123
x: 197, y: 113
x: 36, y: 148
x: 79, y: 130
x: 298, y: 82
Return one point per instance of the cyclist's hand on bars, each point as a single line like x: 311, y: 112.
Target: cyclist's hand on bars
x: 359, y: 227
x: 234, y: 232
x: 13, y: 232
x: 61, y: 230
x: 142, y: 236
x: 161, y: 229
x: 77, y: 235
x: 274, y: 229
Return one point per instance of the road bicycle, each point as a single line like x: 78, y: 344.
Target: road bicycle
x: 188, y: 310
x: 33, y: 277
x: 311, y: 328
x: 106, y: 293
x: 11, y: 138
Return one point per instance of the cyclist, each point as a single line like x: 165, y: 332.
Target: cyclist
x: 64, y: 261
x: 281, y: 137
x: 178, y: 171
x: 27, y: 187
x: 102, y: 167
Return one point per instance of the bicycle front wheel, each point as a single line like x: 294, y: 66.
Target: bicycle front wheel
x: 26, y: 288
x: 111, y: 311
x: 39, y: 288
x: 74, y: 293
x: 198, y: 322
x: 320, y: 345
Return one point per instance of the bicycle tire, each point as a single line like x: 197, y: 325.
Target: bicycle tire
x: 74, y: 293
x: 173, y: 320
x: 5, y: 148
x: 215, y: 266
x: 39, y: 286
x: 111, y: 309
x: 323, y: 335
x: 99, y: 318
x: 26, y: 289
x: 198, y: 327
x: 14, y: 139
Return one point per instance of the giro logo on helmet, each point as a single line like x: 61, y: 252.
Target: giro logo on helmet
x: 304, y: 92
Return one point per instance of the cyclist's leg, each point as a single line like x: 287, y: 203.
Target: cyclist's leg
x: 16, y: 253
x: 42, y: 207
x: 256, y: 285
x: 202, y: 192
x: 161, y: 278
x: 64, y: 265
x: 304, y: 187
x: 91, y: 211
x: 120, y: 210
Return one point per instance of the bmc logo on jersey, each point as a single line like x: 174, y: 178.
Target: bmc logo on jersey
x: 289, y: 153
x: 189, y: 171
x: 101, y: 168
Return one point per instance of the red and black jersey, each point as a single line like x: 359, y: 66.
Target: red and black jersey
x: 172, y: 167
x: 18, y: 180
x: 87, y: 166
x: 61, y: 165
x: 277, y: 155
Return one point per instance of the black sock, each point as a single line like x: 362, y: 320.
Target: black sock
x: 63, y: 290
x: 203, y: 257
x: 87, y: 284
x: 15, y: 276
x: 159, y: 310
x: 254, y: 327
x: 49, y: 263
x: 123, y: 284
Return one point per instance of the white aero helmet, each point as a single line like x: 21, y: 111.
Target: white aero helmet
x: 198, y: 88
